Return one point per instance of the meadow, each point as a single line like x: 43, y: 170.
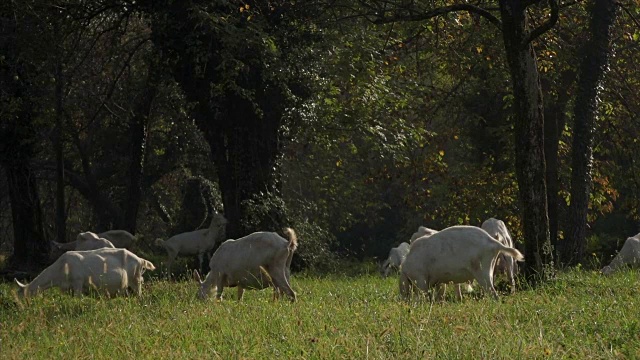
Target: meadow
x: 579, y: 315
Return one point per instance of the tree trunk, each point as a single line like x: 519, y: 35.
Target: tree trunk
x: 241, y: 123
x: 107, y: 214
x: 529, y: 141
x: 61, y: 216
x: 119, y: 213
x: 19, y: 96
x: 138, y: 144
x: 245, y: 153
x: 17, y: 135
x: 195, y: 212
x: 555, y: 120
x: 30, y: 246
x: 593, y: 67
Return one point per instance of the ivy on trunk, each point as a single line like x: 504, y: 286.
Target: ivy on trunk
x: 229, y: 71
x: 528, y: 116
x: 594, y: 65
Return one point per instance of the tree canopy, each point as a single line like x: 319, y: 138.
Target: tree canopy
x: 352, y: 121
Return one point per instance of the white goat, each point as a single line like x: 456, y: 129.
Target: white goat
x: 255, y: 261
x: 110, y: 270
x: 90, y: 241
x: 505, y: 264
x: 422, y: 231
x: 116, y: 238
x: 426, y: 232
x: 629, y: 255
x: 395, y: 259
x: 119, y: 238
x: 198, y: 242
x: 456, y: 254
x: 84, y: 241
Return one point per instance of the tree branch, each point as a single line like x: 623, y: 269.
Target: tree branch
x: 546, y: 26
x: 382, y: 19
x: 624, y: 8
x: 527, y: 3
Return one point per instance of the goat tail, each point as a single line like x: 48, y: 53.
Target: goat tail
x: 293, y: 238
x: 513, y: 252
x: 19, y: 283
x: 159, y: 242
x: 23, y: 290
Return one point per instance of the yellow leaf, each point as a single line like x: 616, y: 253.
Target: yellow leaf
x: 479, y: 49
x: 441, y: 152
x: 241, y: 9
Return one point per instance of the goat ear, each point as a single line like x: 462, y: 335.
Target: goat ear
x: 196, y: 276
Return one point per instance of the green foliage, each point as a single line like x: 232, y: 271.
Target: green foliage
x: 387, y: 148
x: 602, y: 248
x: 382, y: 127
x: 579, y: 315
x: 201, y: 200
x: 269, y: 212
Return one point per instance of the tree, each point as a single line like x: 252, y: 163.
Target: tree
x: 529, y: 132
x: 554, y: 122
x: 114, y: 107
x: 593, y: 67
x: 139, y: 124
x: 20, y: 93
x: 518, y: 35
x: 240, y: 67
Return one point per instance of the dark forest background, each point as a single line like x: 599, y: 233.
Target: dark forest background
x: 352, y: 121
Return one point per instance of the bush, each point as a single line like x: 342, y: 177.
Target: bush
x: 269, y: 212
x: 601, y: 248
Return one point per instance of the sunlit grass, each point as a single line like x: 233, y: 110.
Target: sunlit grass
x: 581, y: 315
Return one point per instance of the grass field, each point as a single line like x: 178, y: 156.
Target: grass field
x: 582, y: 315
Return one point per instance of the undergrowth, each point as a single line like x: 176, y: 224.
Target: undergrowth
x: 580, y: 315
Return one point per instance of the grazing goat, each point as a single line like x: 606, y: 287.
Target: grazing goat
x: 84, y: 241
x: 110, y: 270
x: 116, y: 238
x: 505, y: 264
x: 395, y: 259
x: 119, y: 238
x: 255, y: 261
x: 422, y: 231
x: 91, y: 241
x: 629, y: 255
x: 456, y: 254
x: 256, y: 279
x: 198, y: 242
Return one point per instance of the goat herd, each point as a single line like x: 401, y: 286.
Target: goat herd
x: 458, y: 254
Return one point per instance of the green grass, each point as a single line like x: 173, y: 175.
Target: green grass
x: 582, y: 315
